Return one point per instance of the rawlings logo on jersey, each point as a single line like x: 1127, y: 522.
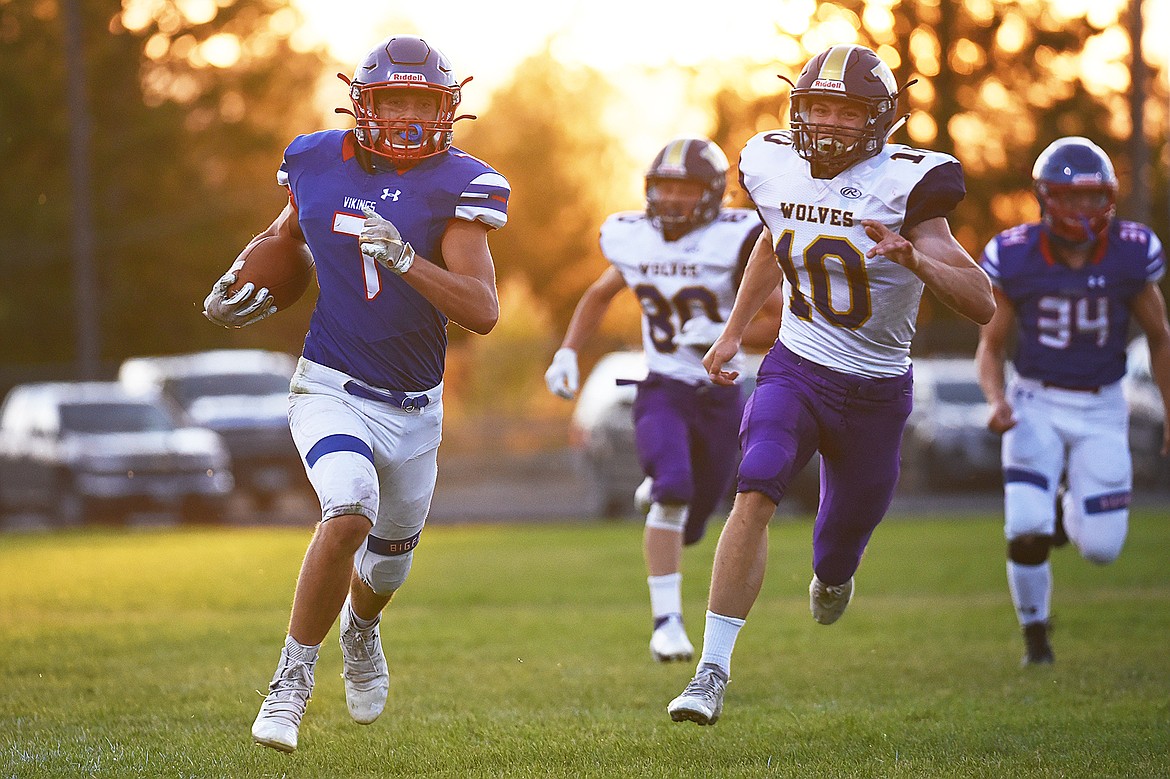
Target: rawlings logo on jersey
x: 802, y: 212
x: 830, y: 84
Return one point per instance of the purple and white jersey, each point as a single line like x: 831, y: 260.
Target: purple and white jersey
x: 1073, y: 324
x: 368, y: 322
x: 694, y: 276
x: 846, y: 312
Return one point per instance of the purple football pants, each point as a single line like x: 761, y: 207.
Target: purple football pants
x: 799, y: 407
x: 687, y: 443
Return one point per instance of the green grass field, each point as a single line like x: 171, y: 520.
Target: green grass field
x: 521, y: 651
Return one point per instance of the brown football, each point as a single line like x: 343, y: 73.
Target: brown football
x: 282, y: 264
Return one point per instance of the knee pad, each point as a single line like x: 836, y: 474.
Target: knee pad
x: 667, y: 516
x: 383, y: 564
x: 1029, y: 549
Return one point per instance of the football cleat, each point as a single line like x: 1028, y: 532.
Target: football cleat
x: 1037, y: 650
x: 280, y: 715
x: 367, y: 679
x: 642, y: 499
x: 827, y: 602
x: 669, y: 641
x: 702, y: 700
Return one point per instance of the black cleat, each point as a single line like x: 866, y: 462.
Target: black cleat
x: 1037, y: 650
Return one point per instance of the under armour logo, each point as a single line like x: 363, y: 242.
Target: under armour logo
x: 386, y: 193
x: 1096, y: 282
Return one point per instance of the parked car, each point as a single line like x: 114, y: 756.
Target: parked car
x: 947, y: 444
x: 242, y: 394
x: 602, y: 429
x: 88, y: 450
x: 1147, y: 418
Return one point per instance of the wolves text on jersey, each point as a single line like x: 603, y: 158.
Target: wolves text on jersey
x: 688, y: 270
x: 802, y: 212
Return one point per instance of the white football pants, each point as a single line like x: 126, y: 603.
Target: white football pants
x: 366, y: 456
x: 1084, y: 435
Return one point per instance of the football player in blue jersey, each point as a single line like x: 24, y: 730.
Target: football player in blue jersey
x: 397, y: 221
x: 856, y: 228
x: 683, y: 257
x: 1066, y: 288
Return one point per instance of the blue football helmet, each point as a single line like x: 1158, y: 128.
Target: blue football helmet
x: 404, y: 62
x: 1077, y: 189
x: 687, y: 159
x: 855, y: 73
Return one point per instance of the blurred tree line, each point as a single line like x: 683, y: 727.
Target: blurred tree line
x: 191, y: 104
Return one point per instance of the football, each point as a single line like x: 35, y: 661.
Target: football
x: 282, y: 264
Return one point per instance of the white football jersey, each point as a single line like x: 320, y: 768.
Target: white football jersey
x: 844, y: 311
x: 674, y: 281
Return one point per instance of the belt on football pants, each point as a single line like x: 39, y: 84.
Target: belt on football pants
x: 1051, y: 385
x: 393, y: 397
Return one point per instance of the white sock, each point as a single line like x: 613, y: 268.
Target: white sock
x: 1031, y: 588
x: 665, y: 594
x: 719, y: 636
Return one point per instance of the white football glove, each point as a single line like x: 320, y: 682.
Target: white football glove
x: 562, y: 377
x: 382, y: 243
x: 699, y: 332
x: 241, y: 308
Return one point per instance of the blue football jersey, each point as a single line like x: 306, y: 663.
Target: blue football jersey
x: 1073, y: 324
x: 368, y: 322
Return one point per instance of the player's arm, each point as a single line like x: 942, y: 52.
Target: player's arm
x: 1149, y: 308
x: 248, y: 305
x: 563, y: 375
x: 930, y: 251
x: 591, y: 308
x: 465, y: 291
x: 990, y: 359
x: 761, y: 332
x: 760, y: 279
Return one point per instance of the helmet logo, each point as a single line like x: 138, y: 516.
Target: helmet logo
x: 830, y: 84
x: 414, y: 77
x: 886, y: 76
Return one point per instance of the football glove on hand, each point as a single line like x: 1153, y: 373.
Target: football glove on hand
x: 382, y: 243
x: 241, y: 308
x: 562, y: 377
x: 699, y: 332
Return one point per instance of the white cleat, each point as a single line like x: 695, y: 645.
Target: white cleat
x: 280, y: 715
x: 669, y: 641
x: 827, y: 602
x: 702, y: 700
x: 642, y: 499
x: 367, y: 680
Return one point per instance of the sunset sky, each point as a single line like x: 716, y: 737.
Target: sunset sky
x: 624, y: 39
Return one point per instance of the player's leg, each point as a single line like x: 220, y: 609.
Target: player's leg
x: 778, y: 435
x: 408, y: 444
x: 1100, y: 478
x: 336, y: 447
x: 660, y: 432
x: 1033, y: 454
x: 714, y: 444
x: 861, y: 444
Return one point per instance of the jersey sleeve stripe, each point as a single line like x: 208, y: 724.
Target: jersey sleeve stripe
x: 1156, y: 267
x: 492, y: 217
